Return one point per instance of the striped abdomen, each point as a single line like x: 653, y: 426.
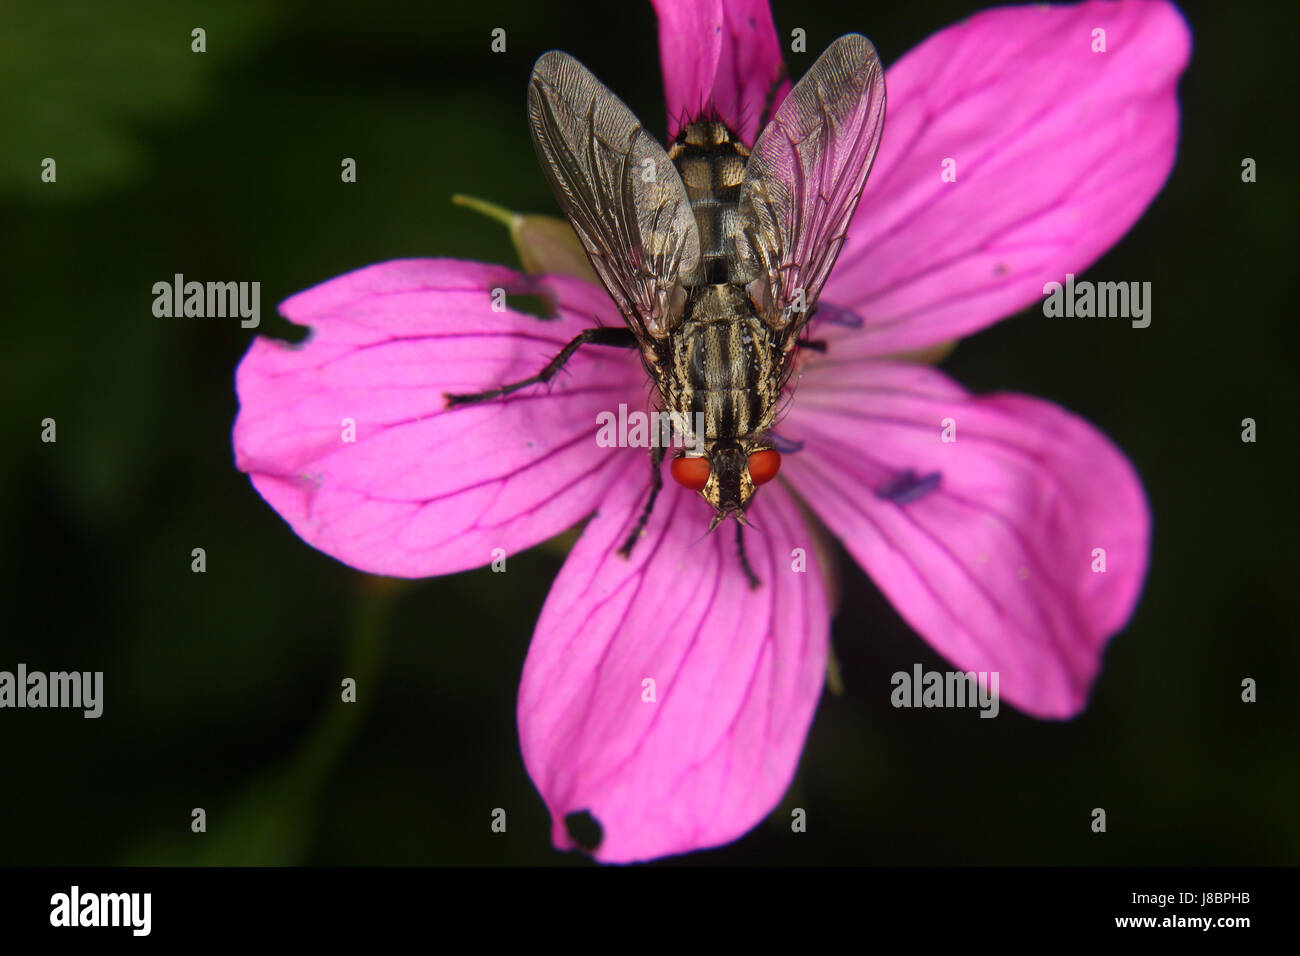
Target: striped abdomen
x: 712, y: 166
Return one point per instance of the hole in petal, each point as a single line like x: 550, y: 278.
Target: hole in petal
x: 276, y: 326
x: 584, y: 829
x: 530, y: 304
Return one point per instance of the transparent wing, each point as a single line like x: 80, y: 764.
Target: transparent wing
x: 619, y: 189
x: 805, y: 176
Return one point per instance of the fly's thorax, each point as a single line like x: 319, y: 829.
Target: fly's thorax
x: 711, y: 162
x: 722, y: 364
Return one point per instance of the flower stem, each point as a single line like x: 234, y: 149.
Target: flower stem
x: 492, y: 210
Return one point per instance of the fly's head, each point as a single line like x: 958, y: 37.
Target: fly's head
x: 728, y: 473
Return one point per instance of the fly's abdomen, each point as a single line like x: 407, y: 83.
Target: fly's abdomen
x: 711, y: 162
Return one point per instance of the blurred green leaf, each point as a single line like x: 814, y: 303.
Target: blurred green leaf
x: 78, y: 78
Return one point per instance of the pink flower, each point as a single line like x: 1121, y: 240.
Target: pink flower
x: 1058, y: 151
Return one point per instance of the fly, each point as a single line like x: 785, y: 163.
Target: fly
x: 714, y: 253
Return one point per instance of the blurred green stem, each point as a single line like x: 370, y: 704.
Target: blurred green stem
x: 271, y: 822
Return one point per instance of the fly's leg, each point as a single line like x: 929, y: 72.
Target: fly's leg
x: 816, y: 345
x: 744, y: 557
x: 656, y: 484
x: 614, y: 337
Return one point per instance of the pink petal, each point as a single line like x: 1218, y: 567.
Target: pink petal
x: 737, y: 674
x: 995, y: 567
x: 424, y: 490
x: 1058, y: 151
x: 723, y: 56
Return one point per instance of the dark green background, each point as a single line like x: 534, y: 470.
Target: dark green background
x: 221, y: 688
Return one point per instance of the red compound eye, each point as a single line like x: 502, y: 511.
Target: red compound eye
x: 690, y: 473
x: 763, y: 465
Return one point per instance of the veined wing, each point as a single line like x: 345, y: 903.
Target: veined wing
x: 620, y: 191
x: 805, y: 176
